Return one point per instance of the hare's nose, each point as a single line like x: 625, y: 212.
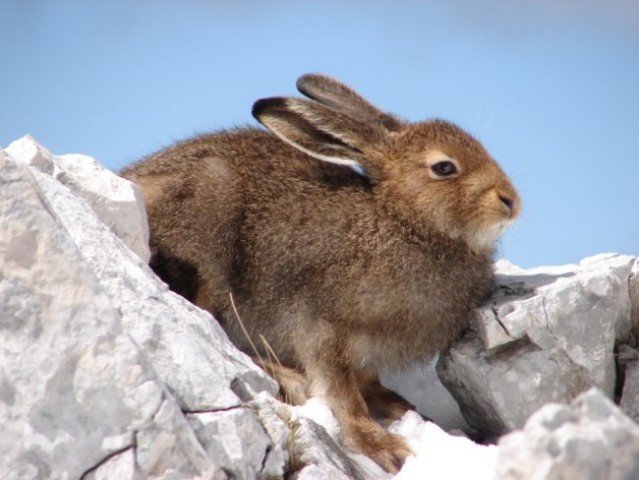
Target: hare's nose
x: 509, y: 202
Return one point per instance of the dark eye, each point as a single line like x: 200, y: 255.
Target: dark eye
x: 445, y: 168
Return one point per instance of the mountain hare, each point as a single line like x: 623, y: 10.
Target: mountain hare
x: 345, y: 239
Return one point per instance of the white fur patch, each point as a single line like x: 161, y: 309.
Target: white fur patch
x: 485, y: 238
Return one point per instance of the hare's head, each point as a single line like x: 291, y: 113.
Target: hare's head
x: 432, y: 174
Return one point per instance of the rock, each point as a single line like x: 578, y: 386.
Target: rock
x: 547, y: 335
x: 633, y: 287
x: 101, y: 364
x: 590, y: 440
x: 186, y: 347
x: 168, y: 448
x: 316, y: 456
x: 315, y: 451
x: 274, y: 417
x: 75, y: 388
x: 105, y: 373
x: 120, y: 466
x: 30, y: 152
x: 421, y: 386
x: 630, y: 396
x: 116, y: 201
x: 234, y: 438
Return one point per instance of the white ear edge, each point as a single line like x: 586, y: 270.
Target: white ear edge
x: 325, y: 158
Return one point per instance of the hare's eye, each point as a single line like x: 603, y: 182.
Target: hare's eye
x: 445, y: 168
x: 442, y: 166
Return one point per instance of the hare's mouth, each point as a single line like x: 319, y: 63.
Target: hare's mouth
x: 483, y: 238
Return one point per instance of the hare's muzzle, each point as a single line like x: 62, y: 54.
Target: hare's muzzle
x: 511, y: 203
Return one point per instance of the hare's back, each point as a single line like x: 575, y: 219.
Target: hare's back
x: 199, y: 194
x: 246, y: 149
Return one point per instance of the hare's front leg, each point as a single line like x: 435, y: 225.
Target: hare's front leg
x: 384, y: 405
x: 334, y: 379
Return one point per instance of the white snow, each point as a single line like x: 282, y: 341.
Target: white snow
x: 320, y: 413
x: 438, y: 454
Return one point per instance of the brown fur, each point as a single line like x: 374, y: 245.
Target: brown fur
x: 341, y: 273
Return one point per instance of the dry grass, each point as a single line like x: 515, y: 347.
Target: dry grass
x: 294, y: 463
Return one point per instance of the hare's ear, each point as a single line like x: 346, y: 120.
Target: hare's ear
x: 341, y: 98
x: 321, y: 132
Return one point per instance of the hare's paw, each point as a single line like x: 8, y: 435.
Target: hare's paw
x: 389, y: 451
x: 294, y: 386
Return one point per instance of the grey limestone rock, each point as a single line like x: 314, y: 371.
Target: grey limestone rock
x: 75, y: 388
x: 105, y: 373
x: 235, y: 438
x: 116, y: 202
x: 547, y: 335
x: 589, y: 440
x: 630, y: 395
x: 633, y: 286
x: 121, y: 466
x: 317, y: 457
x: 101, y: 364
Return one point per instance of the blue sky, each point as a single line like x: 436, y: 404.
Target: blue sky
x: 550, y: 87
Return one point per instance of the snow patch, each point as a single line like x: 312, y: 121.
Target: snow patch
x: 437, y: 452
x: 440, y: 455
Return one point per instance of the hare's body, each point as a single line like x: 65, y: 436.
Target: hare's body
x: 396, y: 295
x: 339, y: 273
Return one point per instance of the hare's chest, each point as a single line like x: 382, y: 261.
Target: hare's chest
x: 415, y: 315
x: 413, y: 291
x: 408, y: 329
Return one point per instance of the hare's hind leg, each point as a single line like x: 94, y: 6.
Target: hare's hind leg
x: 294, y: 386
x: 335, y: 381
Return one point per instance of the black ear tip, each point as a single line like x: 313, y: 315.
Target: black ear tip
x: 310, y: 81
x: 304, y: 80
x: 265, y: 105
